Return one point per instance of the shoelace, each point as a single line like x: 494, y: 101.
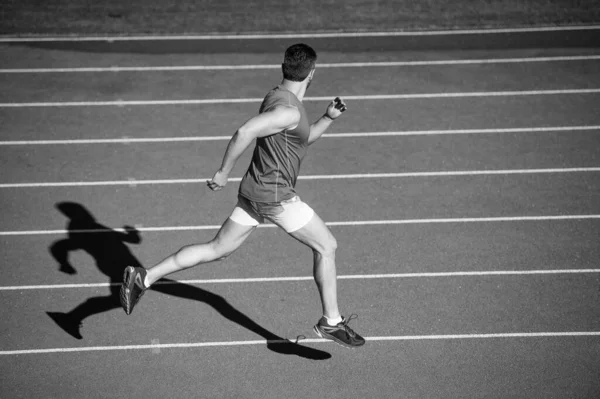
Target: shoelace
x: 345, y: 322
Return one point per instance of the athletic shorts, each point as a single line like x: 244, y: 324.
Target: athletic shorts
x: 290, y: 215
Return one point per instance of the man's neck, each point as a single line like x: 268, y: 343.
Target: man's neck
x: 297, y: 88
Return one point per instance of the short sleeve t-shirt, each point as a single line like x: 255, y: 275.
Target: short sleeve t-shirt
x: 275, y: 165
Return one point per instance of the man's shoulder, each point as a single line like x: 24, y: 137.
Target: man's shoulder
x: 279, y: 96
x: 283, y: 108
x: 283, y: 114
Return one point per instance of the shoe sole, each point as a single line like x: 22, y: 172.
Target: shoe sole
x: 125, y: 303
x: 337, y: 341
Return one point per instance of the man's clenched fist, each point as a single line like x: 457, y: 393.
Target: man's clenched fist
x: 335, y: 108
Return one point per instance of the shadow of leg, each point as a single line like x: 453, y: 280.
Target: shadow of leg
x: 285, y: 347
x: 71, y: 322
x: 274, y: 342
x: 65, y: 321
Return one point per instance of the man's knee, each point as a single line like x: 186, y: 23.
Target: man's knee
x: 333, y: 244
x: 221, y: 250
x: 224, y: 255
x: 328, y: 246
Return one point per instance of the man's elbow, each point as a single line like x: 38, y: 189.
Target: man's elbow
x: 313, y: 136
x: 244, y: 134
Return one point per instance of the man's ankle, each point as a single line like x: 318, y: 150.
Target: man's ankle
x: 147, y: 282
x: 334, y: 321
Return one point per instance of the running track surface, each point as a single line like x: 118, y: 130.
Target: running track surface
x: 488, y: 283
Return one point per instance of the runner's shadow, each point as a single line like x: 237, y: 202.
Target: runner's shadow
x: 112, y: 255
x: 106, y: 246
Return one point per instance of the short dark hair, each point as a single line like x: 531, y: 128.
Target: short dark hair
x: 298, y: 61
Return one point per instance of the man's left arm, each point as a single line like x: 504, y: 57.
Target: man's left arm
x: 334, y: 110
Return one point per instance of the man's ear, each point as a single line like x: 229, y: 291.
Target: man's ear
x: 310, y: 76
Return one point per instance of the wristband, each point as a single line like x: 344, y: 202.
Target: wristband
x: 325, y: 115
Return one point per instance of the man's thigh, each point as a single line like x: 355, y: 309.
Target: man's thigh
x: 232, y: 234
x: 316, y: 235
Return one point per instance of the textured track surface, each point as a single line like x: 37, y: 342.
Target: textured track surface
x: 219, y: 322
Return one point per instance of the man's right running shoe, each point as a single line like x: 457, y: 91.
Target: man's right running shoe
x: 341, y: 333
x: 132, y: 288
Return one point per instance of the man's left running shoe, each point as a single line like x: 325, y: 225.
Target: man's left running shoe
x: 132, y: 288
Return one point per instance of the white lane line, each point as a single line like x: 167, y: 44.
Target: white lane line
x: 310, y: 278
x: 133, y: 182
x: 177, y: 68
x: 307, y: 35
x: 123, y: 140
x: 130, y: 140
x: 348, y: 223
x: 302, y: 341
x: 328, y: 98
x: 542, y: 129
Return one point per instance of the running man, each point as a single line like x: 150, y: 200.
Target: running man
x: 282, y: 133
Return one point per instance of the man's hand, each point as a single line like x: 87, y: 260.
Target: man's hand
x: 335, y: 108
x: 67, y: 268
x: 132, y: 235
x: 218, y: 181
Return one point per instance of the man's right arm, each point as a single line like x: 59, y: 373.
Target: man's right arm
x: 262, y: 125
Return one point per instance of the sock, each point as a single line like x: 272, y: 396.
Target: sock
x: 333, y: 321
x: 144, y: 274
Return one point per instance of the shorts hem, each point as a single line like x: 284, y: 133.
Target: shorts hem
x: 303, y: 224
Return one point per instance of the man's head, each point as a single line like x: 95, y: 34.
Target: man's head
x: 299, y: 63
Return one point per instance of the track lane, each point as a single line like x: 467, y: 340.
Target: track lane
x: 376, y: 199
x: 543, y: 368
x: 395, y: 154
x: 217, y: 312
x: 182, y: 85
x: 224, y: 119
x: 433, y: 248
x: 25, y: 56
